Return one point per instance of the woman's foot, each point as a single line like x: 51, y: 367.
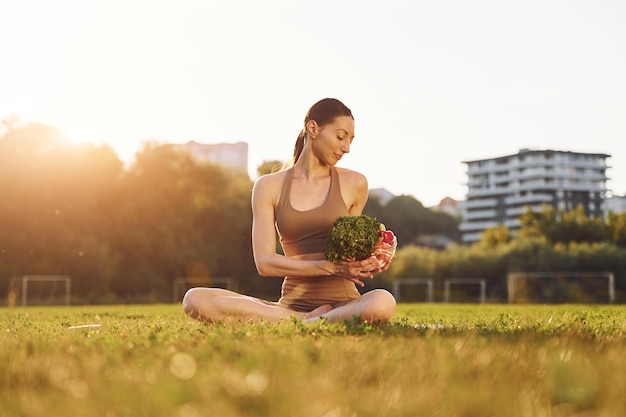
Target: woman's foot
x: 316, y: 314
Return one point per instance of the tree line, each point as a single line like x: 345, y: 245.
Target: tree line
x: 121, y: 233
x: 547, y: 241
x: 125, y: 233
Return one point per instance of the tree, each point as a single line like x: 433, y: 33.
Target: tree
x: 495, y: 236
x: 616, y: 228
x: 576, y: 226
x: 267, y: 167
x: 562, y: 227
x: 178, y: 216
x: 374, y: 209
x: 72, y: 210
x: 53, y: 209
x: 409, y: 219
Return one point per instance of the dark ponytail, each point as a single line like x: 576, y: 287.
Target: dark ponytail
x: 297, y: 149
x: 323, y: 112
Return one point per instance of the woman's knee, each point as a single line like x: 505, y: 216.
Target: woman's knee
x: 198, y: 302
x: 381, y: 307
x: 206, y: 304
x: 192, y: 301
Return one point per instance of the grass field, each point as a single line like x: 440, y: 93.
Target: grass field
x: 432, y: 360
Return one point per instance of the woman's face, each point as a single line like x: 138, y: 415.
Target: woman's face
x: 333, y: 140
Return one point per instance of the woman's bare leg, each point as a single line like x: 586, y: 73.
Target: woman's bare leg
x: 216, y: 304
x: 373, y: 306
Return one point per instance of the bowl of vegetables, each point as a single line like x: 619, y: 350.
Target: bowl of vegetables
x: 355, y: 237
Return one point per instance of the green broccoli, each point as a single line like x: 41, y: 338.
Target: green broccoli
x: 352, y: 237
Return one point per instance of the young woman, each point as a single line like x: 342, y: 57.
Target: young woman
x: 301, y: 203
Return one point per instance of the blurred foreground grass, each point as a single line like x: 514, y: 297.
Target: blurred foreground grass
x: 432, y: 360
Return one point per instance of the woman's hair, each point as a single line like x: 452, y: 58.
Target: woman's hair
x: 323, y: 112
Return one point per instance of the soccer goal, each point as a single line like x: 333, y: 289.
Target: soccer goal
x: 39, y: 290
x: 414, y: 289
x: 182, y: 284
x: 556, y: 287
x: 447, y: 288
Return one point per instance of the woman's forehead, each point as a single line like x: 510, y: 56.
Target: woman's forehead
x: 345, y: 123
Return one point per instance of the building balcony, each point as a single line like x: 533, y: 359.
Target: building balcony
x: 512, y: 223
x: 518, y: 211
x: 528, y: 199
x: 471, y: 237
x: 475, y: 226
x: 554, y: 186
x: 478, y: 214
x: 473, y: 204
x: 488, y: 192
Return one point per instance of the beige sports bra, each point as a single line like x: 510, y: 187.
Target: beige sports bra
x: 303, y: 232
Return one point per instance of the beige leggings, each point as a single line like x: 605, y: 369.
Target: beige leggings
x: 307, y: 294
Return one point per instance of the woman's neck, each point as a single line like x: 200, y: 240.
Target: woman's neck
x: 310, y: 167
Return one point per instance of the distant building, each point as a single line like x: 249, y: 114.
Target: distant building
x: 381, y: 194
x: 616, y: 204
x: 231, y: 155
x: 448, y: 205
x: 499, y: 189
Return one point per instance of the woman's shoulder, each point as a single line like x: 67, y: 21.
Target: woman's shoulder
x: 354, y: 189
x: 351, y: 177
x: 272, y: 177
x: 270, y: 183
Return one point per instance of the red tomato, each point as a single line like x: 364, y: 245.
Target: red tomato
x: 388, y: 236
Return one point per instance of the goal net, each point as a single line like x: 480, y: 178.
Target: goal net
x: 468, y: 290
x: 39, y: 290
x: 182, y: 284
x: 414, y: 290
x: 561, y: 287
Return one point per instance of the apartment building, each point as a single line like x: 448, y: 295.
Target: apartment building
x: 499, y: 189
x: 231, y: 155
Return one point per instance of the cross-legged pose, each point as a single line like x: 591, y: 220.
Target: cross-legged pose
x: 301, y: 203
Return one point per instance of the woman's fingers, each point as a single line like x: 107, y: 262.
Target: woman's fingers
x: 357, y: 271
x: 358, y: 282
x: 386, y: 252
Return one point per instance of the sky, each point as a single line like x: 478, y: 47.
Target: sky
x: 430, y: 83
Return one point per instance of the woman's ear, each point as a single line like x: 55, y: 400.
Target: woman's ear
x: 312, y: 128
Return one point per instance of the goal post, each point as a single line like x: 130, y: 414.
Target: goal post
x: 561, y: 287
x: 182, y: 284
x: 43, y: 289
x: 401, y: 285
x: 481, y: 282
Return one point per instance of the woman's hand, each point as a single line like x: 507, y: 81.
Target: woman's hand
x: 356, y: 271
x: 385, y: 252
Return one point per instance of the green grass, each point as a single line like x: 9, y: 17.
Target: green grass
x: 432, y: 360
